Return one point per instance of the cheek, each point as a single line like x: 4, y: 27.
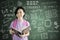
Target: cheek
x: 17, y: 15
x: 23, y: 14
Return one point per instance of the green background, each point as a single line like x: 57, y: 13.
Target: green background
x: 43, y: 16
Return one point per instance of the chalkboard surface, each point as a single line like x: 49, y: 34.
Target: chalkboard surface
x: 43, y: 16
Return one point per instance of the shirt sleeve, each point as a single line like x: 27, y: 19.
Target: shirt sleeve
x: 11, y: 25
x: 28, y: 24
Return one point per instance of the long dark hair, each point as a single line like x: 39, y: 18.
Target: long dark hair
x: 18, y: 9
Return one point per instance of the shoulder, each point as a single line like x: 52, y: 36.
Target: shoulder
x: 13, y: 21
x: 26, y: 21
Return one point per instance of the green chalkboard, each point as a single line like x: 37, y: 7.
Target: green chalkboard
x: 42, y: 15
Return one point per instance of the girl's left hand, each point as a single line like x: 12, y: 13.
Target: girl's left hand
x: 22, y: 35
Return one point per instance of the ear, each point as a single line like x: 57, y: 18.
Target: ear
x: 24, y: 14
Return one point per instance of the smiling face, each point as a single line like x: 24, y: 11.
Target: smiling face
x: 20, y: 13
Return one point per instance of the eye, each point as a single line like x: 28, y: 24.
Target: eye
x: 20, y: 12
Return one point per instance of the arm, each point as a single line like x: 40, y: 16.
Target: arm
x: 10, y: 30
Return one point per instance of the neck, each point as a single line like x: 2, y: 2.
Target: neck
x: 20, y: 19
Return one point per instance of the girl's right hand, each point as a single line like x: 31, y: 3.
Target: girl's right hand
x: 11, y: 31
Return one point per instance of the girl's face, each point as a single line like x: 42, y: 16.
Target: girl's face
x: 20, y: 13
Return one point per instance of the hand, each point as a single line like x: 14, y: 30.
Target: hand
x: 22, y: 35
x: 11, y: 31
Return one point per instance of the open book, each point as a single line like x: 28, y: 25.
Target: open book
x: 21, y: 31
